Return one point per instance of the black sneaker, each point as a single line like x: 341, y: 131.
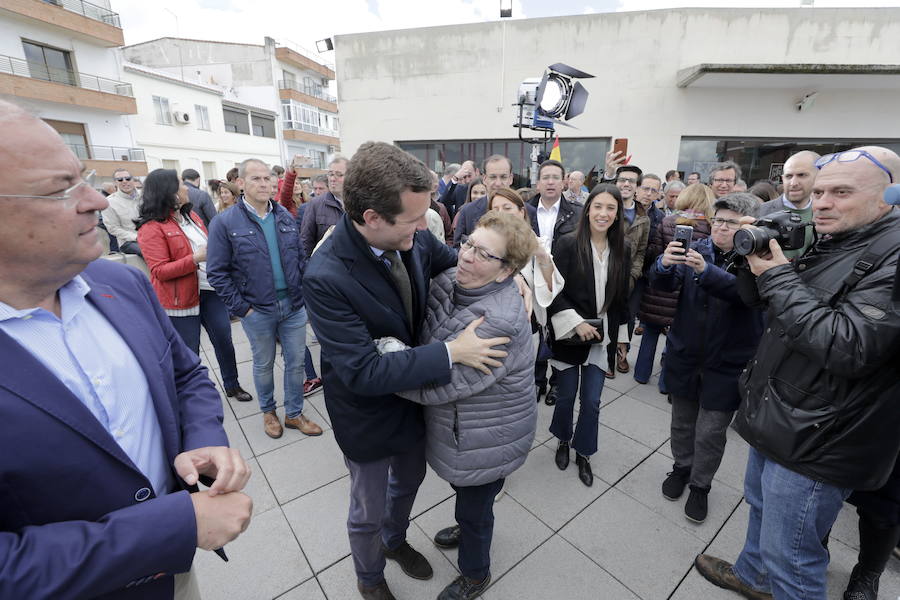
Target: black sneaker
x: 696, y: 507
x: 863, y: 584
x: 673, y: 486
x: 562, y: 456
x: 464, y: 588
x: 410, y: 560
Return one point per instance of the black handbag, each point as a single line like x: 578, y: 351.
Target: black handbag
x: 577, y: 341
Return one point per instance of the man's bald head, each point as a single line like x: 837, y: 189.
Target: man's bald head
x: 576, y: 180
x: 798, y: 177
x: 849, y: 195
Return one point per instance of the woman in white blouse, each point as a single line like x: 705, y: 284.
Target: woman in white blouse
x: 589, y: 313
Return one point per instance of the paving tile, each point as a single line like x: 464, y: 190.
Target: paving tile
x: 616, y: 456
x: 432, y: 492
x: 303, y: 466
x: 339, y: 580
x: 539, y: 483
x: 245, y: 376
x: 311, y: 590
x: 729, y: 540
x: 694, y: 586
x: 319, y: 520
x: 260, y: 443
x: 516, y: 531
x: 258, y: 489
x: 638, y: 420
x: 236, y: 437
x: 557, y: 570
x: 643, y: 484
x: 263, y: 562
x: 317, y: 400
x: 542, y: 430
x: 649, y: 394
x: 846, y: 527
x: 607, y: 531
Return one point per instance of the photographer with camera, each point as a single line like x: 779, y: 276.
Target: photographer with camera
x: 711, y: 338
x: 819, y: 399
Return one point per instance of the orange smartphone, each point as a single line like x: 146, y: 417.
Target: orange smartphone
x: 621, y: 145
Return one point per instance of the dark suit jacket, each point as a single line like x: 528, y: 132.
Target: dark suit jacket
x: 566, y: 219
x: 320, y: 214
x: 71, y: 521
x: 471, y: 212
x: 352, y: 301
x: 454, y: 197
x: 201, y: 202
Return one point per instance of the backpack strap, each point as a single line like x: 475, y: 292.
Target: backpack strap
x: 878, y: 251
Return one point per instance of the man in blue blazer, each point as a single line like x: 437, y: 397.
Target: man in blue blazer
x: 107, y: 420
x: 369, y: 280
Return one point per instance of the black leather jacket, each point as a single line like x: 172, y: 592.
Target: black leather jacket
x: 822, y: 395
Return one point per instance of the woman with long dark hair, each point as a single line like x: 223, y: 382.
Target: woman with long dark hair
x: 590, y: 313
x: 173, y: 240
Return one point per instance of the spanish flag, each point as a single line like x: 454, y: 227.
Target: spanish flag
x: 554, y: 152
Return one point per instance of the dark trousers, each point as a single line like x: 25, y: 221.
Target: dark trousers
x: 382, y: 493
x: 214, y: 318
x: 310, y: 368
x: 877, y: 539
x: 698, y: 439
x: 475, y: 516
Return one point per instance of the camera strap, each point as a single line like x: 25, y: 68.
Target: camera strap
x: 879, y: 250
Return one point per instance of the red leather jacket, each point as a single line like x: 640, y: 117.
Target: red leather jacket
x: 170, y: 259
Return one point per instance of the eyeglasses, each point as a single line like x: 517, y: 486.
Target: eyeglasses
x: 481, y: 255
x: 87, y: 179
x: 123, y: 179
x: 850, y: 156
x: 721, y: 181
x: 728, y: 223
x: 647, y: 188
x: 631, y: 180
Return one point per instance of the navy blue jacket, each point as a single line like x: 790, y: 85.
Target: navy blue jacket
x: 352, y: 301
x: 201, y: 203
x: 76, y: 519
x: 714, y: 334
x: 471, y: 212
x: 238, y: 264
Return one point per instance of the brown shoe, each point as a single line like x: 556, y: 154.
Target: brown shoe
x: 303, y: 424
x: 272, y: 425
x: 720, y: 573
x: 376, y: 592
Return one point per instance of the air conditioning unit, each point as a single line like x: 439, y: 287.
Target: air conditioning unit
x: 181, y: 117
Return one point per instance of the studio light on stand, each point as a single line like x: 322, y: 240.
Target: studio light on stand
x: 505, y: 9
x: 547, y: 101
x: 324, y: 45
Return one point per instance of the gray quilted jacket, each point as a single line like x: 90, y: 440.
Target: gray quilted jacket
x: 479, y: 427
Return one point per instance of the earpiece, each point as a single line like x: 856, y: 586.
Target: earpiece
x: 892, y: 194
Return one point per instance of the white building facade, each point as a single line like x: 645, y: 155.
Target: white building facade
x: 686, y: 87
x: 186, y: 125
x: 285, y: 81
x: 58, y: 60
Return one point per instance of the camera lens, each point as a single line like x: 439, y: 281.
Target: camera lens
x: 751, y: 240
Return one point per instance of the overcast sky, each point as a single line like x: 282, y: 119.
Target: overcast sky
x: 305, y: 21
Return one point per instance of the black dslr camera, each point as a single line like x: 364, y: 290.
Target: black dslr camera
x: 786, y: 228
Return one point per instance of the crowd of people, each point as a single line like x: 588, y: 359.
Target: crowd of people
x: 447, y: 307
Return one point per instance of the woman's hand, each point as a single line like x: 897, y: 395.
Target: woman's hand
x: 673, y: 255
x: 695, y: 261
x: 587, y: 333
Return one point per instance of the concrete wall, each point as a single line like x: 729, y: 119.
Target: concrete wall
x: 459, y: 82
x: 186, y: 143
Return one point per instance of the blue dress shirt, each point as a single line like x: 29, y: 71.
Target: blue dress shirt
x: 90, y: 358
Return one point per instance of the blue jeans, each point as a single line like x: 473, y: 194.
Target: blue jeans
x: 214, y: 318
x: 790, y: 515
x: 585, y: 436
x: 643, y: 366
x: 290, y: 327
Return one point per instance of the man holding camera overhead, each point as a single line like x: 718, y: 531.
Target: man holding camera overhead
x: 819, y: 399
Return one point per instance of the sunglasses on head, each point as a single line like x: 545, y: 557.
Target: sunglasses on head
x: 123, y: 178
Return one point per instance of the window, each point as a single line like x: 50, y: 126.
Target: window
x: 263, y: 126
x: 236, y: 120
x: 209, y: 170
x: 162, y: 110
x: 74, y: 135
x: 202, y: 117
x: 172, y: 164
x: 289, y: 79
x: 49, y: 64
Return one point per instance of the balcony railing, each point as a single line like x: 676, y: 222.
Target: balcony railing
x: 108, y: 153
x: 299, y: 126
x: 91, y: 11
x: 306, y: 89
x: 17, y: 66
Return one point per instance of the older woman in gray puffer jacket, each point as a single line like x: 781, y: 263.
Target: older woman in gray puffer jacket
x: 480, y: 426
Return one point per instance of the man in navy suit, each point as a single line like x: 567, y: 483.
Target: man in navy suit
x: 107, y: 419
x: 370, y: 280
